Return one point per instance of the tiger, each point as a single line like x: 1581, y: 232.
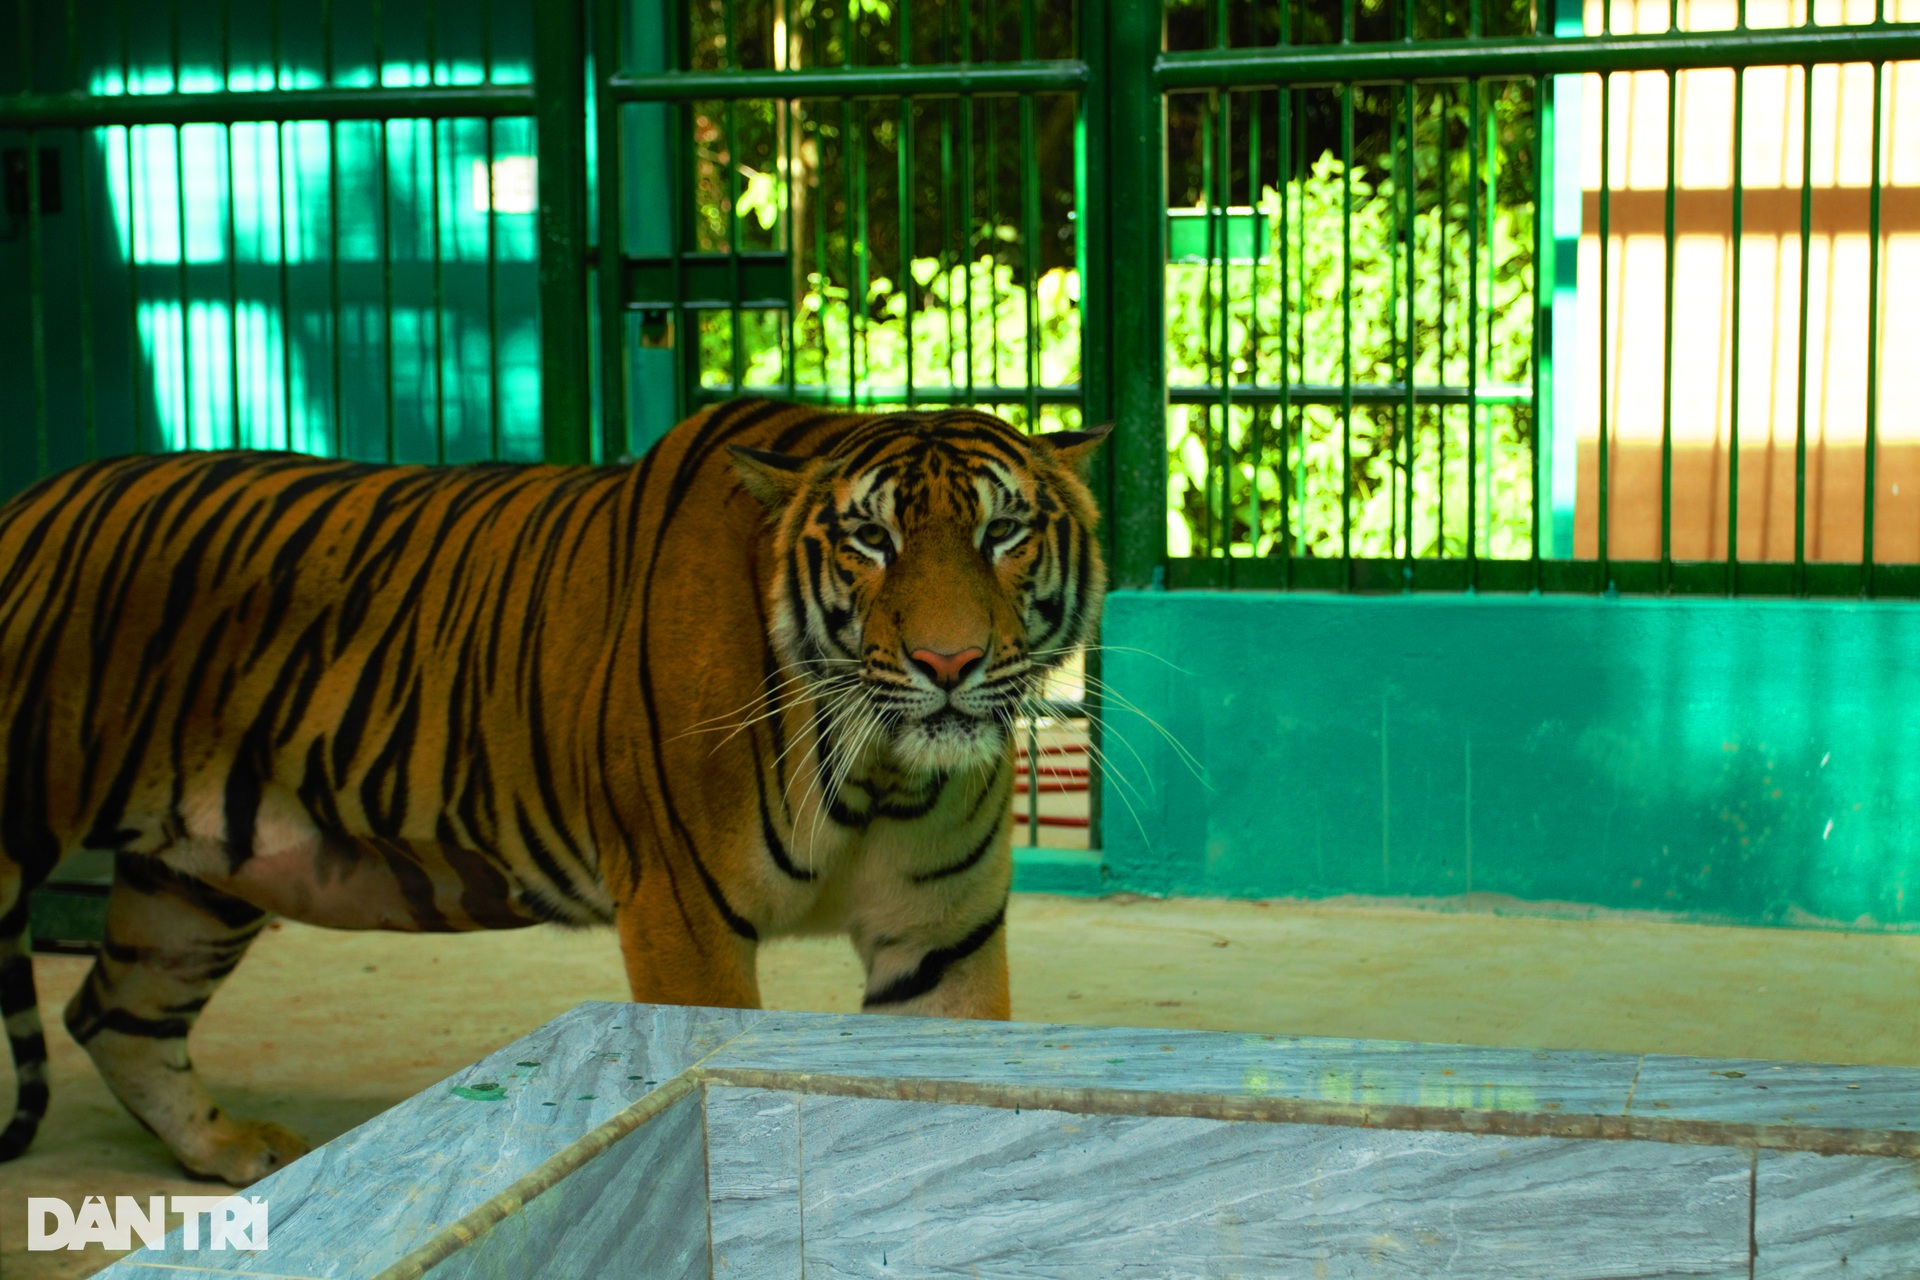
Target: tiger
x: 759, y: 683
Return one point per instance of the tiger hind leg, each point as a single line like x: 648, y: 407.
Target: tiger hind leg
x: 171, y: 939
x: 20, y: 1009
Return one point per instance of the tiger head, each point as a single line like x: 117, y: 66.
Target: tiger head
x: 932, y: 567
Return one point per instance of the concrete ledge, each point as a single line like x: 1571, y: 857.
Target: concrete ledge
x: 634, y: 1140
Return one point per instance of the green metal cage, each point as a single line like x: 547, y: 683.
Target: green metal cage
x: 1323, y: 265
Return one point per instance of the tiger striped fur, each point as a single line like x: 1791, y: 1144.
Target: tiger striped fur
x: 759, y: 683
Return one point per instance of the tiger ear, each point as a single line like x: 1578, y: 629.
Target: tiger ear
x: 1075, y: 448
x: 774, y: 478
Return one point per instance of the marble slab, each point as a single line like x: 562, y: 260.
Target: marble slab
x: 753, y: 1179
x: 394, y: 1182
x: 636, y: 1212
x: 911, y: 1189
x: 772, y: 1145
x: 1354, y: 1073
x: 1854, y: 1216
x: 1778, y: 1093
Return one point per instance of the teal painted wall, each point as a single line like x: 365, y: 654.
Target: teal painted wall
x: 1755, y: 761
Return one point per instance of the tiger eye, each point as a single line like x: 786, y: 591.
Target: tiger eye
x: 873, y: 535
x: 1002, y: 528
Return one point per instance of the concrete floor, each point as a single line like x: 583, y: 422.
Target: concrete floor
x: 323, y: 1030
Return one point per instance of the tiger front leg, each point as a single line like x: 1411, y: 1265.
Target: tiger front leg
x: 937, y: 946
x: 678, y: 950
x: 170, y: 941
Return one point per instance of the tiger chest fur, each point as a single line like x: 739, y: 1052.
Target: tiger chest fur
x: 761, y: 682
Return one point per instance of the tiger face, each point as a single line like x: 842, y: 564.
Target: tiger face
x: 932, y: 568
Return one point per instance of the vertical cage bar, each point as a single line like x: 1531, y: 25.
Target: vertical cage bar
x: 968, y: 199
x: 1224, y: 174
x: 1542, y: 291
x: 1738, y: 236
x: 1346, y: 324
x: 1282, y: 141
x: 559, y: 57
x: 1870, y: 487
x: 1806, y: 278
x: 1030, y: 236
x: 233, y: 239
x: 615, y: 431
x: 1138, y: 220
x: 1256, y: 416
x: 1474, y: 247
x: 856, y: 248
x: 180, y: 267
x: 1666, y: 335
x: 1033, y: 774
x: 736, y: 354
x: 1411, y: 229
x: 905, y: 173
x: 385, y: 186
x: 233, y: 299
x: 37, y: 298
x: 1602, y: 509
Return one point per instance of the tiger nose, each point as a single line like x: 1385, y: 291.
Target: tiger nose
x: 947, y: 669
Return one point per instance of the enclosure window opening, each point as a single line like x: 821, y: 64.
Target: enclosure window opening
x: 209, y: 276
x: 1618, y: 329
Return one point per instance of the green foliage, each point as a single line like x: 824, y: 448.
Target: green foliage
x: 1273, y: 480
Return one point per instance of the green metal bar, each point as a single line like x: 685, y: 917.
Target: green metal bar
x: 80, y: 111
x: 1215, y: 368
x: 1217, y: 192
x: 559, y: 54
x: 386, y: 274
x: 1060, y: 75
x: 1474, y: 246
x: 1346, y: 334
x: 1603, y: 509
x: 493, y: 300
x: 233, y: 232
x: 1543, y: 290
x: 89, y: 372
x: 1030, y: 234
x: 905, y: 173
x: 967, y: 204
x: 1666, y: 336
x: 615, y: 431
x: 1256, y: 418
x: 1525, y: 56
x: 856, y: 246
x: 1806, y: 276
x: 439, y: 297
x: 233, y: 302
x: 736, y: 337
x: 328, y: 74
x: 1283, y: 140
x: 1872, y: 480
x: 1137, y: 214
x: 1445, y: 175
x: 1093, y: 143
x: 1224, y: 176
x: 1411, y: 206
x: 1738, y: 234
x: 180, y: 244
x: 37, y: 292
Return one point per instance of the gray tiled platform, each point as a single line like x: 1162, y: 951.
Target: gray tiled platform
x: 639, y: 1141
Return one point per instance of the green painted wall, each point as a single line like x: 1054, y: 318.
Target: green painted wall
x: 1755, y: 761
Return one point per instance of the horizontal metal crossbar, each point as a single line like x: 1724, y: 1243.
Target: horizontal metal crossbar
x: 96, y: 111
x: 1264, y: 394
x: 945, y: 80
x: 1403, y: 61
x: 1632, y: 577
